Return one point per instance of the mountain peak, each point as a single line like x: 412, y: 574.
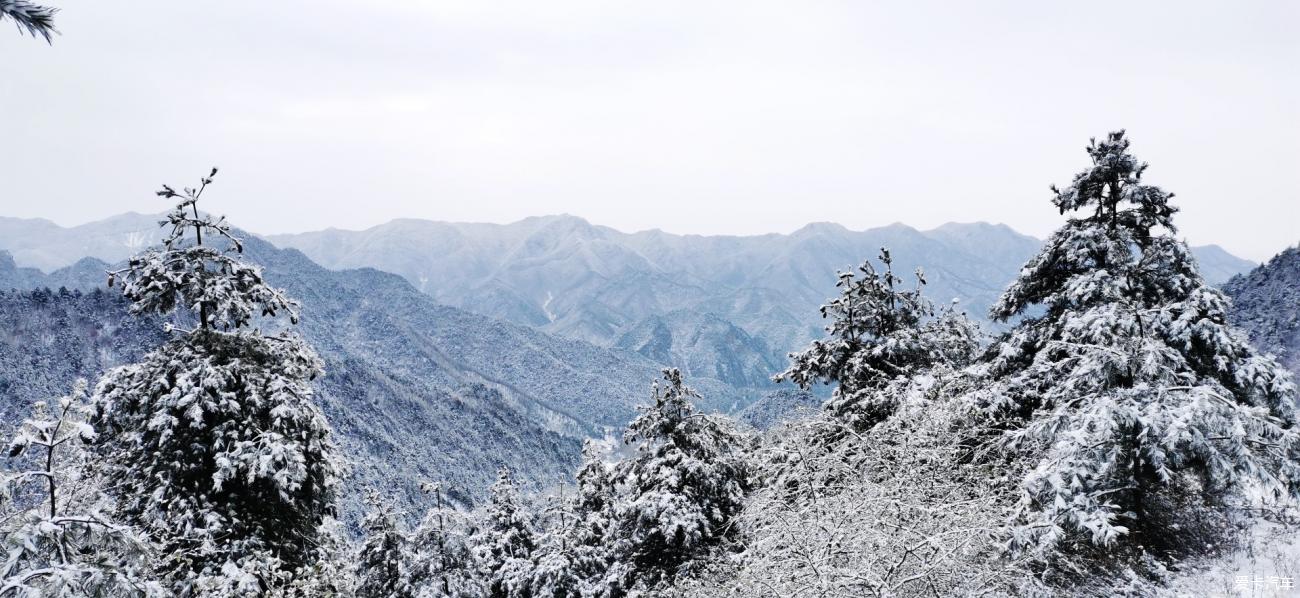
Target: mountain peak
x: 820, y: 228
x: 551, y: 219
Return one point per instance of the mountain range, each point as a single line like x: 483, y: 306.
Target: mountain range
x: 721, y: 306
x: 497, y: 344
x: 1266, y: 304
x: 416, y: 391
x: 728, y: 308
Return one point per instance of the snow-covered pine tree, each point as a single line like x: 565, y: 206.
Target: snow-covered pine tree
x: 213, y: 446
x: 58, y: 538
x: 680, y: 491
x: 30, y: 17
x: 506, y: 540
x: 573, y: 555
x: 381, y: 564
x: 593, y: 512
x: 557, y: 570
x: 330, y: 572
x: 880, y: 336
x: 442, y: 562
x: 1131, y: 399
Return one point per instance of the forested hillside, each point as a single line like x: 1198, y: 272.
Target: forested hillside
x: 418, y: 392
x: 567, y: 277
x: 1266, y: 304
x: 564, y: 275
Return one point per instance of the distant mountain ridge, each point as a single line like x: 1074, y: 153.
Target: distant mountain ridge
x: 568, y: 277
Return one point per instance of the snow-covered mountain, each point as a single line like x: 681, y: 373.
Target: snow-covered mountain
x: 704, y: 345
x: 564, y: 275
x: 417, y: 391
x: 41, y: 244
x: 645, y: 291
x: 1266, y: 304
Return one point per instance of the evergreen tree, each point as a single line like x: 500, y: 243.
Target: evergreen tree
x: 557, y: 568
x: 680, y: 491
x: 506, y: 541
x: 57, y: 538
x: 593, y: 512
x: 213, y: 445
x: 381, y: 562
x: 328, y: 575
x: 1124, y: 385
x: 442, y: 562
x: 573, y: 555
x: 30, y: 17
x: 880, y: 336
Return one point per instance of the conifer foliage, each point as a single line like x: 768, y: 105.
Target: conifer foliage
x: 33, y: 18
x: 880, y: 334
x: 59, y: 538
x: 507, y: 540
x: 213, y: 445
x: 442, y: 562
x: 1123, y: 384
x: 382, y: 561
x: 677, y: 496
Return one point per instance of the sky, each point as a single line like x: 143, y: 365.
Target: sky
x: 703, y: 117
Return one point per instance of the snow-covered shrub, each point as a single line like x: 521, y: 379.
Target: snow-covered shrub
x: 441, y: 554
x: 897, y: 510
x: 572, y: 558
x: 382, y: 562
x: 506, y: 540
x: 329, y: 575
x: 1140, y: 412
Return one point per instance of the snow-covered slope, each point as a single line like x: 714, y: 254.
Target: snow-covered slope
x: 417, y: 391
x: 42, y: 244
x: 704, y: 345
x: 565, y: 276
x: 1266, y: 304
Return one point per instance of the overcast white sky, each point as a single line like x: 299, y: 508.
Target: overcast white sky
x: 694, y: 117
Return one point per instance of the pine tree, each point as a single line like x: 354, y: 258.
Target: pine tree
x: 329, y: 574
x: 1123, y: 385
x: 680, y: 491
x: 57, y: 537
x: 382, y: 561
x: 593, y: 512
x: 557, y: 569
x: 506, y: 541
x: 30, y: 17
x: 880, y: 336
x: 573, y: 555
x: 213, y: 445
x: 442, y: 562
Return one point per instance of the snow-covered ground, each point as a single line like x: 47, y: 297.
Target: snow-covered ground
x: 1266, y: 566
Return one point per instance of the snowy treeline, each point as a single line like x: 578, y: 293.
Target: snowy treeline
x: 1119, y: 430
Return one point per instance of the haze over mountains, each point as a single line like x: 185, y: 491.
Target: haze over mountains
x: 722, y: 307
x: 734, y: 305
